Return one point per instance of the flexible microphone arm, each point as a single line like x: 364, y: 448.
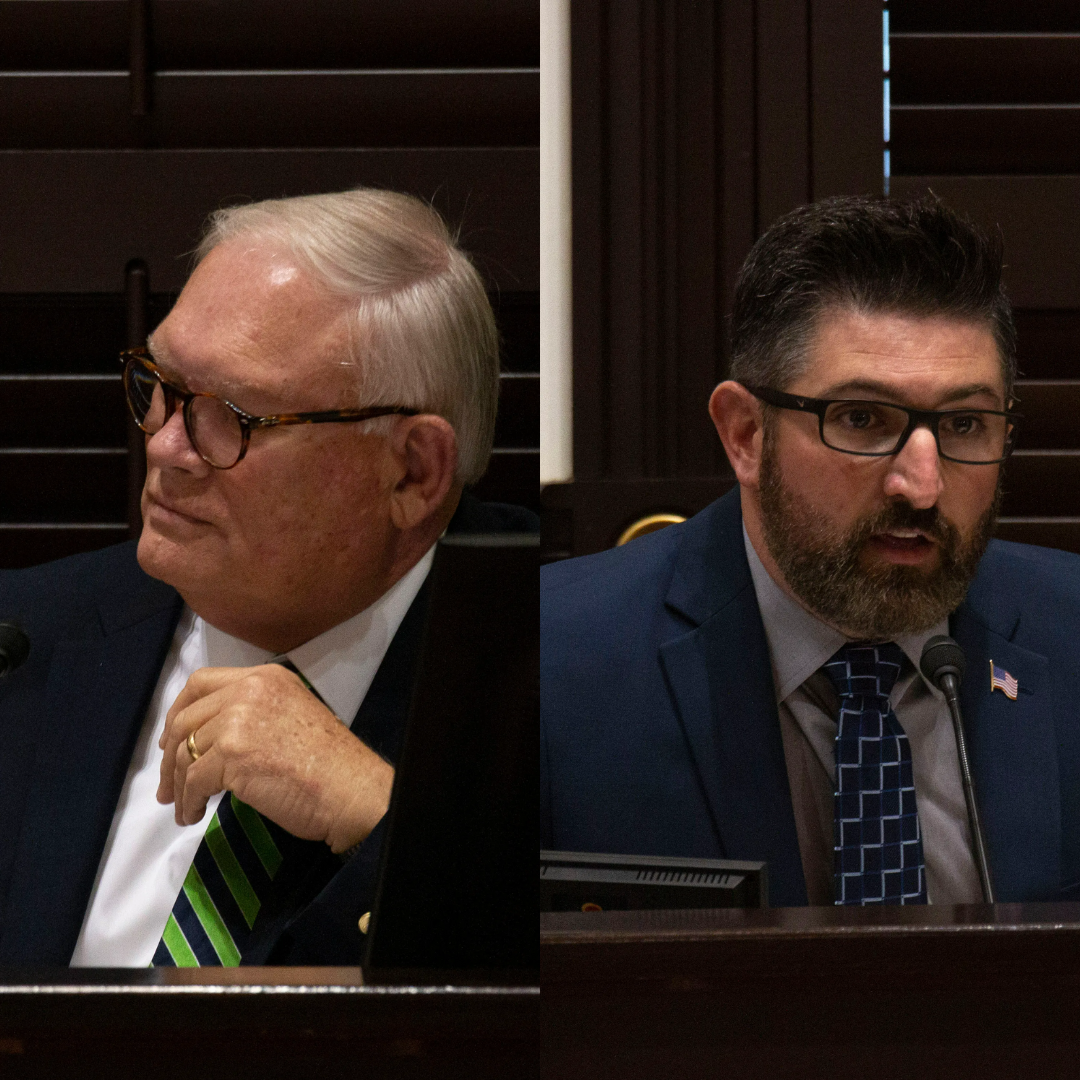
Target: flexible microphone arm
x: 943, y: 664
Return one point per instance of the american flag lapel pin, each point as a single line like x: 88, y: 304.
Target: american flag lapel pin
x: 1001, y: 680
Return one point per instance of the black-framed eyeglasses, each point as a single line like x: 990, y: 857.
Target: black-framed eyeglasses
x: 880, y: 429
x: 218, y: 430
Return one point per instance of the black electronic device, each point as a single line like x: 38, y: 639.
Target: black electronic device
x: 580, y: 881
x: 456, y: 891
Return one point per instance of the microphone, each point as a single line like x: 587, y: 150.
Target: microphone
x: 943, y: 664
x: 14, y: 648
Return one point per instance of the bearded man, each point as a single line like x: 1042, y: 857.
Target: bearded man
x: 746, y: 685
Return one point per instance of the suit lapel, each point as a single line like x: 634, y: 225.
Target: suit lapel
x: 380, y: 720
x: 99, y: 684
x: 721, y: 684
x: 1014, y: 764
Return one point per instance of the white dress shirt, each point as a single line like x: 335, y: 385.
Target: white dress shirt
x: 147, y: 855
x: 799, y: 644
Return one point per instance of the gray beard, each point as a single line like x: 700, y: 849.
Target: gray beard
x: 884, y: 601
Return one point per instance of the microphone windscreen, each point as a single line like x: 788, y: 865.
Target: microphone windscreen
x: 942, y: 656
x: 14, y: 648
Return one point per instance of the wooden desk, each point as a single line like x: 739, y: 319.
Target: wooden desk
x: 260, y: 1023
x: 841, y: 993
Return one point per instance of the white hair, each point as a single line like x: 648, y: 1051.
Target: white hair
x: 422, y: 324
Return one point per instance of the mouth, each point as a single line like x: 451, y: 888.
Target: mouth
x: 907, y: 547
x: 168, y: 513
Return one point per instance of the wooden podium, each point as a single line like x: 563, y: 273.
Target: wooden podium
x: 260, y: 1024
x: 843, y: 994
x: 838, y: 993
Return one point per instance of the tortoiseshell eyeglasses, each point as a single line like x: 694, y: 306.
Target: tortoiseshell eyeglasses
x: 218, y: 430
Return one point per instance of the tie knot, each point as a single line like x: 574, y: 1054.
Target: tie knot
x: 862, y: 670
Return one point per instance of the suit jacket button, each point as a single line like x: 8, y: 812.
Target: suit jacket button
x: 365, y: 922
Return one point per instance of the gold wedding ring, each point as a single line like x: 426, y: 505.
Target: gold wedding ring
x: 192, y: 749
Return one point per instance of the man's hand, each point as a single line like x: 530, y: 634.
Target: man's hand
x: 264, y: 736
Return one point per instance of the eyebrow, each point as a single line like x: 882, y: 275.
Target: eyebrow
x: 160, y: 356
x: 888, y: 393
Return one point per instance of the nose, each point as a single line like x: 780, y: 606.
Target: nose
x: 170, y: 447
x: 915, y: 473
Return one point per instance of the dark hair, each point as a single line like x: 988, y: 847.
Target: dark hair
x: 872, y: 255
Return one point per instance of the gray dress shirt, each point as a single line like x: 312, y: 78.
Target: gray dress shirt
x: 799, y: 644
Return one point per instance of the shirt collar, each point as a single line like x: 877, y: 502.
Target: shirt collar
x: 341, y: 662
x: 800, y: 643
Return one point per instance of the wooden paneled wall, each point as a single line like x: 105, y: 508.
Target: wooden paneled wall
x: 985, y: 113
x: 694, y: 126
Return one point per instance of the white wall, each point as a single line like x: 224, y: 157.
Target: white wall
x: 556, y: 361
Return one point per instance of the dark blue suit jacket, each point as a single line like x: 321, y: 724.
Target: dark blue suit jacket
x: 99, y: 630
x: 659, y: 727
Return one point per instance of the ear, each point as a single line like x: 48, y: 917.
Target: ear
x: 736, y: 413
x: 425, y: 448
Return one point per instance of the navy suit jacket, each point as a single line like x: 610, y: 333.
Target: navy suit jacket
x: 69, y: 718
x: 659, y: 726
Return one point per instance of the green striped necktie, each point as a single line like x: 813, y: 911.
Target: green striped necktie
x: 247, y: 874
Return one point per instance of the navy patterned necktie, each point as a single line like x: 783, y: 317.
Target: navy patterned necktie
x: 877, y: 842
x: 247, y: 874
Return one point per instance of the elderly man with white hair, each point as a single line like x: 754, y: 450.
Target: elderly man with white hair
x: 199, y: 750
